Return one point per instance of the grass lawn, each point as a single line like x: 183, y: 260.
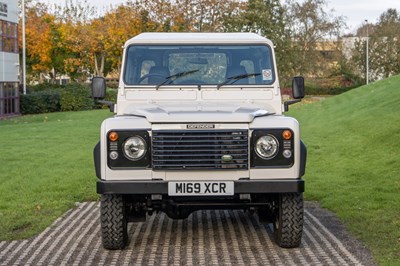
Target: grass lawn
x: 46, y: 166
x: 353, y: 165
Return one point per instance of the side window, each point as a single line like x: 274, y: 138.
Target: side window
x: 249, y: 66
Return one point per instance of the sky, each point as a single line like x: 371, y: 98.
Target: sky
x: 355, y: 11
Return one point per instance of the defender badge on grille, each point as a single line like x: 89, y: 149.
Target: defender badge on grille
x: 226, y: 158
x: 200, y: 126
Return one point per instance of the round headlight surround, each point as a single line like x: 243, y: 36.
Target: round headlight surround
x: 267, y: 147
x: 134, y: 148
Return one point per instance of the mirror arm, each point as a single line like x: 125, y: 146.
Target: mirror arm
x: 286, y: 104
x: 108, y: 103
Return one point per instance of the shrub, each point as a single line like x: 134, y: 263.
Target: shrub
x: 111, y: 95
x: 286, y: 91
x: 45, y: 98
x: 113, y: 84
x: 323, y: 86
x: 316, y: 90
x: 328, y: 86
x: 40, y: 102
x: 76, y: 97
x: 43, y: 87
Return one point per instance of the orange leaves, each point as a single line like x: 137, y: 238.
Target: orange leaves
x: 38, y: 39
x: 71, y: 65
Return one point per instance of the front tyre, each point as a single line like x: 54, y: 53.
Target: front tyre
x: 114, y: 230
x: 288, y: 222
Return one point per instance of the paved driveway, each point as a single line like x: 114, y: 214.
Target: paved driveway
x: 205, y: 238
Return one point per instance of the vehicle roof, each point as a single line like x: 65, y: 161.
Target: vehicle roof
x: 197, y: 38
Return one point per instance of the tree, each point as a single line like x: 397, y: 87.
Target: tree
x: 76, y: 37
x: 209, y: 14
x: 58, y: 41
x: 42, y: 38
x: 311, y: 26
x: 117, y: 31
x: 187, y: 15
x: 384, y: 46
x: 97, y: 32
x: 298, y: 30
x: 268, y: 18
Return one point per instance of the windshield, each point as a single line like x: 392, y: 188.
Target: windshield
x: 199, y: 65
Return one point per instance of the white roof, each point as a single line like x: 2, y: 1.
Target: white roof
x: 197, y: 38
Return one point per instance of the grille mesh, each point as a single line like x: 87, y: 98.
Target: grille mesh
x: 200, y: 149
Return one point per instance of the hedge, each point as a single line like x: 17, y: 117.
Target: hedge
x: 313, y: 90
x: 40, y: 102
x: 55, y: 98
x: 329, y: 86
x: 76, y: 98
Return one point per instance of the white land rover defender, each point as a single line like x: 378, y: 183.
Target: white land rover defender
x: 199, y: 125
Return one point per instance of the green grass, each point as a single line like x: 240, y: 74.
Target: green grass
x: 46, y: 166
x: 353, y: 165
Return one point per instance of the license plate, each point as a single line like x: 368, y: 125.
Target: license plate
x: 200, y: 188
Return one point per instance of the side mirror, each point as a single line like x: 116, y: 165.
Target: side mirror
x: 298, y: 87
x: 99, y: 92
x: 297, y: 90
x: 99, y: 88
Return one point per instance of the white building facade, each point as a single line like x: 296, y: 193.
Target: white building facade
x: 9, y: 58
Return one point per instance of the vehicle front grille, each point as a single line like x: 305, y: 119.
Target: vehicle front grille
x: 200, y: 149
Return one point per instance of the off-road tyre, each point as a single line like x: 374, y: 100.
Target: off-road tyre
x: 289, y: 218
x: 114, y: 229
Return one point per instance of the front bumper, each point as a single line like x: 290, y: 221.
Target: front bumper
x: 161, y: 187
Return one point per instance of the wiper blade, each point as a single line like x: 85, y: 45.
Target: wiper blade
x: 232, y: 80
x: 172, y: 78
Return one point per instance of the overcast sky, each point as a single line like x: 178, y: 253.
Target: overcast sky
x: 355, y: 11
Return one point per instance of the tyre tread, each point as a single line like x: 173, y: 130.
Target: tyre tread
x: 113, y: 222
x: 292, y: 219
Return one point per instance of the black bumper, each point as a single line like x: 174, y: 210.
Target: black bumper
x: 161, y: 187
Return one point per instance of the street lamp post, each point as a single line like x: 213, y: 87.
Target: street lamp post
x: 23, y: 48
x: 367, y: 56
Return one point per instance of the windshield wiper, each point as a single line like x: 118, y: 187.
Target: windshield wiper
x: 174, y: 77
x: 232, y: 80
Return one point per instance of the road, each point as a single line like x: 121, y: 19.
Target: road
x: 221, y: 237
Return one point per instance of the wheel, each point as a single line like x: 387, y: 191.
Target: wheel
x: 114, y: 230
x: 288, y: 220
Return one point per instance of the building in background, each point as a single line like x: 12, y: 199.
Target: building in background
x: 9, y: 58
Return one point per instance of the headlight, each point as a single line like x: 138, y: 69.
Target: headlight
x: 134, y: 148
x: 267, y: 147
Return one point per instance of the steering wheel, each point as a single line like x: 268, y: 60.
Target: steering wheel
x: 150, y: 75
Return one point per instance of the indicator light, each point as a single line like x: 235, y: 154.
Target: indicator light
x: 287, y: 134
x: 113, y: 136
